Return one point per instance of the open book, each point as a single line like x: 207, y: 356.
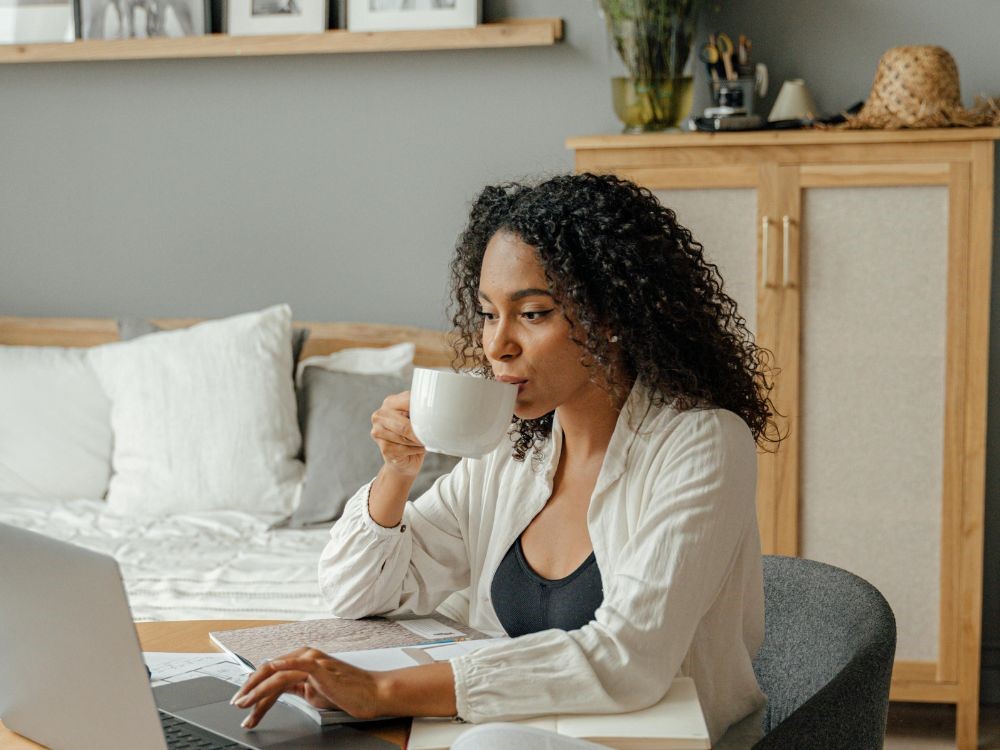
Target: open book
x: 675, y: 723
x: 373, y: 643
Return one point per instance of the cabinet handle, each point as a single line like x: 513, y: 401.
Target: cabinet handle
x: 786, y: 226
x: 765, y: 224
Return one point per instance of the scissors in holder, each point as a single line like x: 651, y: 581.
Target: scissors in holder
x: 709, y: 54
x: 724, y: 46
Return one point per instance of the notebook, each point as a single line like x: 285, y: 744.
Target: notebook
x: 675, y: 723
x: 254, y: 646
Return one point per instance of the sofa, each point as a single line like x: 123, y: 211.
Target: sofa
x: 208, y: 457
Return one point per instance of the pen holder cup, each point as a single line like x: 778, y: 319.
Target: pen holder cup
x: 739, y: 94
x: 745, y: 93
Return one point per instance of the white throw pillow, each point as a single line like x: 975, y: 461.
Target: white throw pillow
x: 204, y: 417
x: 389, y: 360
x: 55, y: 424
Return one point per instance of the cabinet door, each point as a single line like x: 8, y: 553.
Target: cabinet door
x: 882, y: 265
x: 871, y: 428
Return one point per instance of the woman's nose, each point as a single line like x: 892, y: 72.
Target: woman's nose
x: 499, y: 343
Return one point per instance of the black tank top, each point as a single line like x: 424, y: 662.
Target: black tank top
x: 527, y: 603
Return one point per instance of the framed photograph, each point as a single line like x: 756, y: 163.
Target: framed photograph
x: 142, y: 19
x: 251, y: 17
x: 397, y: 15
x: 29, y: 21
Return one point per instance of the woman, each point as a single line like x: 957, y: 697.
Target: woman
x: 616, y: 539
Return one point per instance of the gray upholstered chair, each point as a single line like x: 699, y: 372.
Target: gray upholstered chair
x: 826, y: 661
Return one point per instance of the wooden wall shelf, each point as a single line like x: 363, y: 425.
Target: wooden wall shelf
x: 526, y: 32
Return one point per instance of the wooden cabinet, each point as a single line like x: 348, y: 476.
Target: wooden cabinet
x: 862, y: 261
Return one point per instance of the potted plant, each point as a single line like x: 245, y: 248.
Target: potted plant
x: 653, y: 39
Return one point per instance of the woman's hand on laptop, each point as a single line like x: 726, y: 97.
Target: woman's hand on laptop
x: 427, y: 690
x: 322, y: 680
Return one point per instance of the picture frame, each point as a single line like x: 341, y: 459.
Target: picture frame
x: 399, y: 15
x: 143, y: 19
x: 37, y: 21
x: 253, y: 17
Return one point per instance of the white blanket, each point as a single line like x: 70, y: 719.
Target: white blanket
x: 194, y: 566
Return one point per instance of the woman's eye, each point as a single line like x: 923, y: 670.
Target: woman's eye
x: 535, y: 314
x: 485, y: 315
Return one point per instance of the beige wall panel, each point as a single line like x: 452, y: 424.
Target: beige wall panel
x: 873, y: 361
x: 724, y: 221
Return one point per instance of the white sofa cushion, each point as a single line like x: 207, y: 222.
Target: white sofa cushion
x: 55, y: 426
x: 204, y: 417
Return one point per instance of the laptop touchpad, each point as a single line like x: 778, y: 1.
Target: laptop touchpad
x: 281, y: 727
x: 197, y: 692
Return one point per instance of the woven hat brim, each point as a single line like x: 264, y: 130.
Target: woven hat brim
x: 939, y: 117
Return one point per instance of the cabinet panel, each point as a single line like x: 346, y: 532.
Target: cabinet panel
x: 873, y: 359
x: 724, y: 221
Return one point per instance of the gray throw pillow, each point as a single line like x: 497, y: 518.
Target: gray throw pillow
x: 336, y: 410
x: 133, y: 327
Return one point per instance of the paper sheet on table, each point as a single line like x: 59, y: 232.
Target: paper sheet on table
x: 174, y: 667
x: 429, y: 628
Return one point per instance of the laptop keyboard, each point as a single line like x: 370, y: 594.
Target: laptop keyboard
x: 182, y: 735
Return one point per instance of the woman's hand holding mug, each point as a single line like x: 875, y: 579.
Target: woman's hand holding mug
x: 402, y: 452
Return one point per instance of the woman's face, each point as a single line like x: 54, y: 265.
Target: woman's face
x: 525, y: 335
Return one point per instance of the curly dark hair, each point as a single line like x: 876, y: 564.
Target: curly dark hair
x: 642, y: 300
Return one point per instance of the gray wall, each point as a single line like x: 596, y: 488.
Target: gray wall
x: 338, y: 183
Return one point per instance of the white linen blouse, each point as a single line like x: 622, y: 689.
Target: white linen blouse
x: 674, y: 529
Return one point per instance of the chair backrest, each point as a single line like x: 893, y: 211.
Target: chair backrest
x: 826, y: 661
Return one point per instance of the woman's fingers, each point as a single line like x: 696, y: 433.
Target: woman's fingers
x: 324, y: 681
x: 267, y: 669
x: 262, y: 697
x: 398, y: 402
x: 306, y: 662
x: 395, y: 426
x: 260, y: 708
x: 394, y: 417
x: 394, y: 441
x: 277, y: 682
x: 333, y: 683
x: 393, y: 433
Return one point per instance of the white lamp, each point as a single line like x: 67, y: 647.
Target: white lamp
x: 794, y: 102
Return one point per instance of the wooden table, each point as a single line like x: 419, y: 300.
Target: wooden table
x: 192, y: 636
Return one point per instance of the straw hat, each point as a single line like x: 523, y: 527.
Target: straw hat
x: 917, y: 87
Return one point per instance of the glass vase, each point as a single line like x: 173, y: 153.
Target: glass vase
x: 645, y: 106
x: 651, y: 43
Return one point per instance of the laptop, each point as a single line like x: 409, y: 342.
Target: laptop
x: 72, y: 676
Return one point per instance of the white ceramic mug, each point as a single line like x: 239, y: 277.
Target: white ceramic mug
x: 461, y: 415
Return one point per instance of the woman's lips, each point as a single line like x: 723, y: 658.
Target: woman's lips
x: 519, y: 382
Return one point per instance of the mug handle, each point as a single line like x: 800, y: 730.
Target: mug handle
x: 761, y: 79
